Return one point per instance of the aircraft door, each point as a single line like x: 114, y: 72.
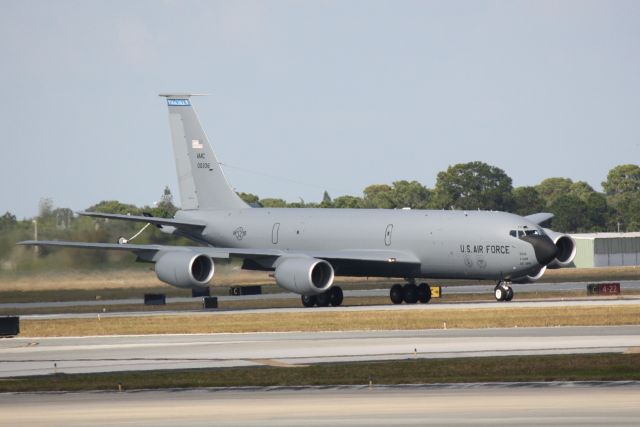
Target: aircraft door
x: 387, y: 235
x: 274, y: 233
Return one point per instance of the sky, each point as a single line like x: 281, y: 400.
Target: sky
x: 312, y: 96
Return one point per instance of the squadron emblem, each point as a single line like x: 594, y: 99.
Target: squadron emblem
x: 239, y: 233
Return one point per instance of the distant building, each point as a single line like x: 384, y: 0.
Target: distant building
x: 607, y: 249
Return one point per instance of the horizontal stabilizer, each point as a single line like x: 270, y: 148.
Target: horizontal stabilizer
x: 148, y: 219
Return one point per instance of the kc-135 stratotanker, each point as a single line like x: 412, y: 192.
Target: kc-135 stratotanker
x: 307, y: 248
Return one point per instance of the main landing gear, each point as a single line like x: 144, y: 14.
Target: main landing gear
x: 332, y: 297
x: 503, y: 291
x: 410, y: 293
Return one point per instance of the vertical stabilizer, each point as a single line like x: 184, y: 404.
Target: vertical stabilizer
x: 200, y: 178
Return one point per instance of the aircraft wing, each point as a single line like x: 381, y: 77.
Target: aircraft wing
x: 148, y: 252
x: 540, y: 218
x: 150, y: 219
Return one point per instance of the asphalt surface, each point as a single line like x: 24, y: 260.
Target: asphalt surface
x: 557, y: 404
x: 41, y: 356
x: 449, y: 290
x: 558, y: 302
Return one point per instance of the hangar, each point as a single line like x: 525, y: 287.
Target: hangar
x: 607, y: 249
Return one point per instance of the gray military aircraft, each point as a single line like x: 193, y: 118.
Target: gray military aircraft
x: 307, y: 248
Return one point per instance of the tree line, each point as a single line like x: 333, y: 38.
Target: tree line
x: 465, y: 186
x: 477, y: 185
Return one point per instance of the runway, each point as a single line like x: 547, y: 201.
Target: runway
x: 41, y: 356
x: 493, y: 305
x: 559, y: 404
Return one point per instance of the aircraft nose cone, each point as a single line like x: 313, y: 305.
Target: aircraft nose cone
x: 544, y: 248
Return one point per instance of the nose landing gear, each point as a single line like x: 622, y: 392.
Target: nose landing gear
x: 503, y: 292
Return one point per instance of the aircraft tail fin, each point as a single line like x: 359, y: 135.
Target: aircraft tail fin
x: 200, y: 178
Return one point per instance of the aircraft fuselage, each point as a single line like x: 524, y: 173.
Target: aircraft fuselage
x: 449, y: 244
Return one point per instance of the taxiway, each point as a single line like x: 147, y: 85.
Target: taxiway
x: 559, y: 404
x: 42, y: 356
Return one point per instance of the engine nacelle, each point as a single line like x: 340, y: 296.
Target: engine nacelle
x: 184, y: 269
x: 304, y: 276
x: 566, y: 249
x: 530, y: 278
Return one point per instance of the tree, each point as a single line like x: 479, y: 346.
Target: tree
x: 570, y: 214
x: 379, y: 196
x: 597, y: 211
x: 7, y: 221
x: 626, y: 212
x: 351, y: 202
x: 581, y: 190
x: 249, y: 198
x: 623, y: 196
x: 326, y: 200
x: 45, y: 207
x: 552, y: 189
x: 165, y: 207
x: 410, y: 195
x: 115, y: 207
x: 622, y: 179
x: 63, y: 217
x: 273, y: 203
x: 474, y: 185
x: 527, y: 201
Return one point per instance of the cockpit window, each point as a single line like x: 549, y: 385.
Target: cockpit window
x: 527, y: 232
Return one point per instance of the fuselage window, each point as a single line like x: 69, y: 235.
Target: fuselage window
x: 513, y: 233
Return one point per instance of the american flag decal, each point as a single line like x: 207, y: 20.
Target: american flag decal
x: 195, y: 143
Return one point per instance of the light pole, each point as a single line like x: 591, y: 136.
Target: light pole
x: 35, y: 234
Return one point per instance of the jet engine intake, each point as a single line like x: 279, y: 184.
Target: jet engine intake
x: 304, y: 276
x: 184, y: 269
x: 566, y: 249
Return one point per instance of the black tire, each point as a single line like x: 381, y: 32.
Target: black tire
x: 509, y: 295
x: 499, y: 293
x: 309, y: 300
x: 336, y: 296
x: 323, y: 299
x: 396, y: 294
x: 424, y: 293
x: 410, y: 293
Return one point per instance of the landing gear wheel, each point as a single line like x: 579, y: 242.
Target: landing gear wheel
x: 336, y: 296
x: 309, y: 300
x: 424, y: 293
x: 509, y: 295
x: 502, y: 291
x: 396, y: 294
x: 323, y: 299
x: 410, y: 293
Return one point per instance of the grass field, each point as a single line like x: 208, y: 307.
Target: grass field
x: 319, y: 320
x: 593, y: 367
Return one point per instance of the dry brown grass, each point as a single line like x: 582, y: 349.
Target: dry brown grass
x: 595, y: 274
x: 318, y: 320
x: 115, y: 279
